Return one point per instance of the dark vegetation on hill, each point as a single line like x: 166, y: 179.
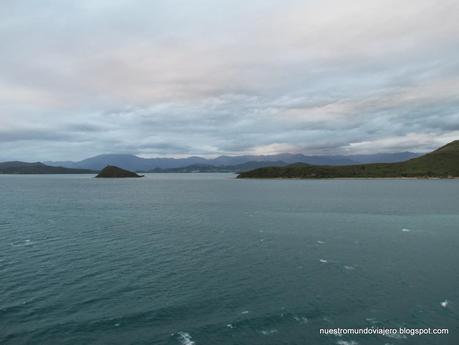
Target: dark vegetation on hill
x: 38, y: 168
x: 441, y: 163
x: 111, y: 171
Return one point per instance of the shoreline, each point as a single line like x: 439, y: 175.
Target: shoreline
x: 347, y: 178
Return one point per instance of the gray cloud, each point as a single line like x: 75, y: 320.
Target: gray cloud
x: 207, y: 78
x: 23, y: 135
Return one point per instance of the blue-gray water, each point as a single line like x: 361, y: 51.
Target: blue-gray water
x: 206, y: 259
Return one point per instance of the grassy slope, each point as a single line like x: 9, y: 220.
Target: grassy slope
x: 443, y: 162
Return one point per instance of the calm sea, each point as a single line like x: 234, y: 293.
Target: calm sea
x: 207, y: 259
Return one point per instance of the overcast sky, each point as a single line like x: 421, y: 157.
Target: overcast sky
x: 210, y: 77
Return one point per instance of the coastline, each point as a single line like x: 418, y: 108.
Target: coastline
x: 347, y: 178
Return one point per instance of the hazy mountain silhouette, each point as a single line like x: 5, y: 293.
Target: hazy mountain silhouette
x: 132, y: 162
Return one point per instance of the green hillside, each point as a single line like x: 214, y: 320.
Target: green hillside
x: 441, y: 163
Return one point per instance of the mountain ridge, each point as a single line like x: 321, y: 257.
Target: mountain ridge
x: 135, y: 163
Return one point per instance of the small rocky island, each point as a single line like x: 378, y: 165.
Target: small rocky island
x: 111, y: 171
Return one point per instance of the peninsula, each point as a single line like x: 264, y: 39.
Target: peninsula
x: 441, y: 163
x: 24, y: 168
x: 111, y: 171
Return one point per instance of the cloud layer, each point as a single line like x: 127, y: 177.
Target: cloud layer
x: 178, y: 78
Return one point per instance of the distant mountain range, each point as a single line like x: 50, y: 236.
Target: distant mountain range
x: 222, y: 168
x: 194, y: 164
x: 224, y: 163
x: 441, y: 163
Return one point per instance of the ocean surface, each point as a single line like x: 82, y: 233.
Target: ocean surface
x: 206, y: 259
